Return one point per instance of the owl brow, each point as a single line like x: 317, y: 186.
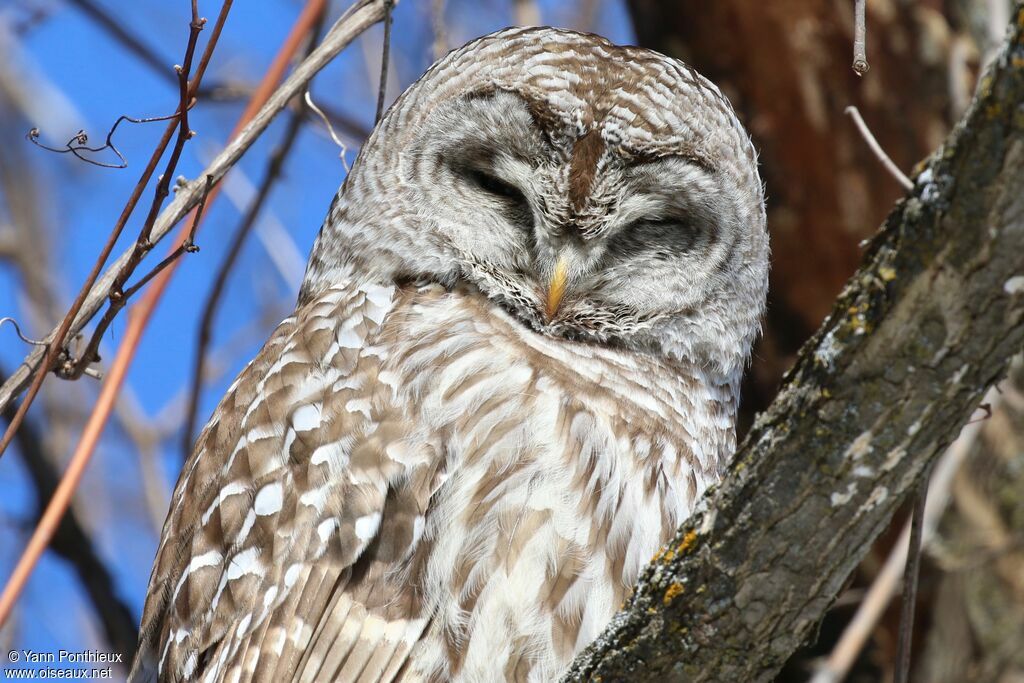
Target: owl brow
x: 692, y: 157
x: 545, y: 119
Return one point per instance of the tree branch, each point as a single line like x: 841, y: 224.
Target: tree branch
x: 928, y: 322
x: 73, y: 543
x: 358, y: 18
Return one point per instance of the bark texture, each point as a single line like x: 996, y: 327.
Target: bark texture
x: 930, y: 320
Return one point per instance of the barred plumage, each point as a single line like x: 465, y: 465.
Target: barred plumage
x: 440, y: 467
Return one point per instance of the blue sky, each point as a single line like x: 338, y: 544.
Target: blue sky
x: 79, y: 78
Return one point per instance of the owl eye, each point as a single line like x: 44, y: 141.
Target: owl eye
x: 496, y: 186
x: 660, y: 237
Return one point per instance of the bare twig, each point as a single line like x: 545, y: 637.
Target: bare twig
x: 353, y: 22
x: 357, y: 19
x: 879, y: 153
x: 32, y: 256
x: 385, y: 56
x: 33, y: 372
x: 119, y: 299
x: 205, y: 332
x: 308, y: 98
x: 35, y: 342
x: 214, y: 92
x: 109, y: 22
x: 79, y: 142
x: 143, y: 243
x: 910, y: 575
x: 17, y: 330
x: 350, y: 127
x: 860, y: 30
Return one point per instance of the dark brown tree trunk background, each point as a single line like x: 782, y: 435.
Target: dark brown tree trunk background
x: 785, y: 64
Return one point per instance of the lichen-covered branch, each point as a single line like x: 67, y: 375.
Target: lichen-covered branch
x: 928, y: 322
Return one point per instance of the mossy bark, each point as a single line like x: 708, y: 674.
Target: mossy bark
x: 929, y: 321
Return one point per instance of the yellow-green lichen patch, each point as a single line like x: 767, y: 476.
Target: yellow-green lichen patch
x: 674, y: 589
x: 666, y: 555
x: 857, y: 322
x: 688, y: 540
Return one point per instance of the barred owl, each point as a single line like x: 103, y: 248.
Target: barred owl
x: 512, y: 371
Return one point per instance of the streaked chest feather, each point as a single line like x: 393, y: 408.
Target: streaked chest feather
x: 409, y: 484
x: 567, y: 466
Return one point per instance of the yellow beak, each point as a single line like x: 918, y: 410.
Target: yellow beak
x: 556, y: 287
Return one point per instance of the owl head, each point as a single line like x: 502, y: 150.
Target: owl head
x: 597, y: 193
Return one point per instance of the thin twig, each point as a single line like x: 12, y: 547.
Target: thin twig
x: 90, y: 296
x: 91, y: 372
x: 910, y: 576
x: 17, y: 330
x: 860, y: 31
x: 348, y: 125
x: 362, y: 15
x: 385, y: 56
x: 143, y: 243
x: 110, y: 23
x: 214, y: 92
x: 308, y: 98
x: 880, y: 154
x: 74, y: 369
x: 79, y: 142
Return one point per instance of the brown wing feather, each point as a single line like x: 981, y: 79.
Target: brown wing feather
x: 291, y: 518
